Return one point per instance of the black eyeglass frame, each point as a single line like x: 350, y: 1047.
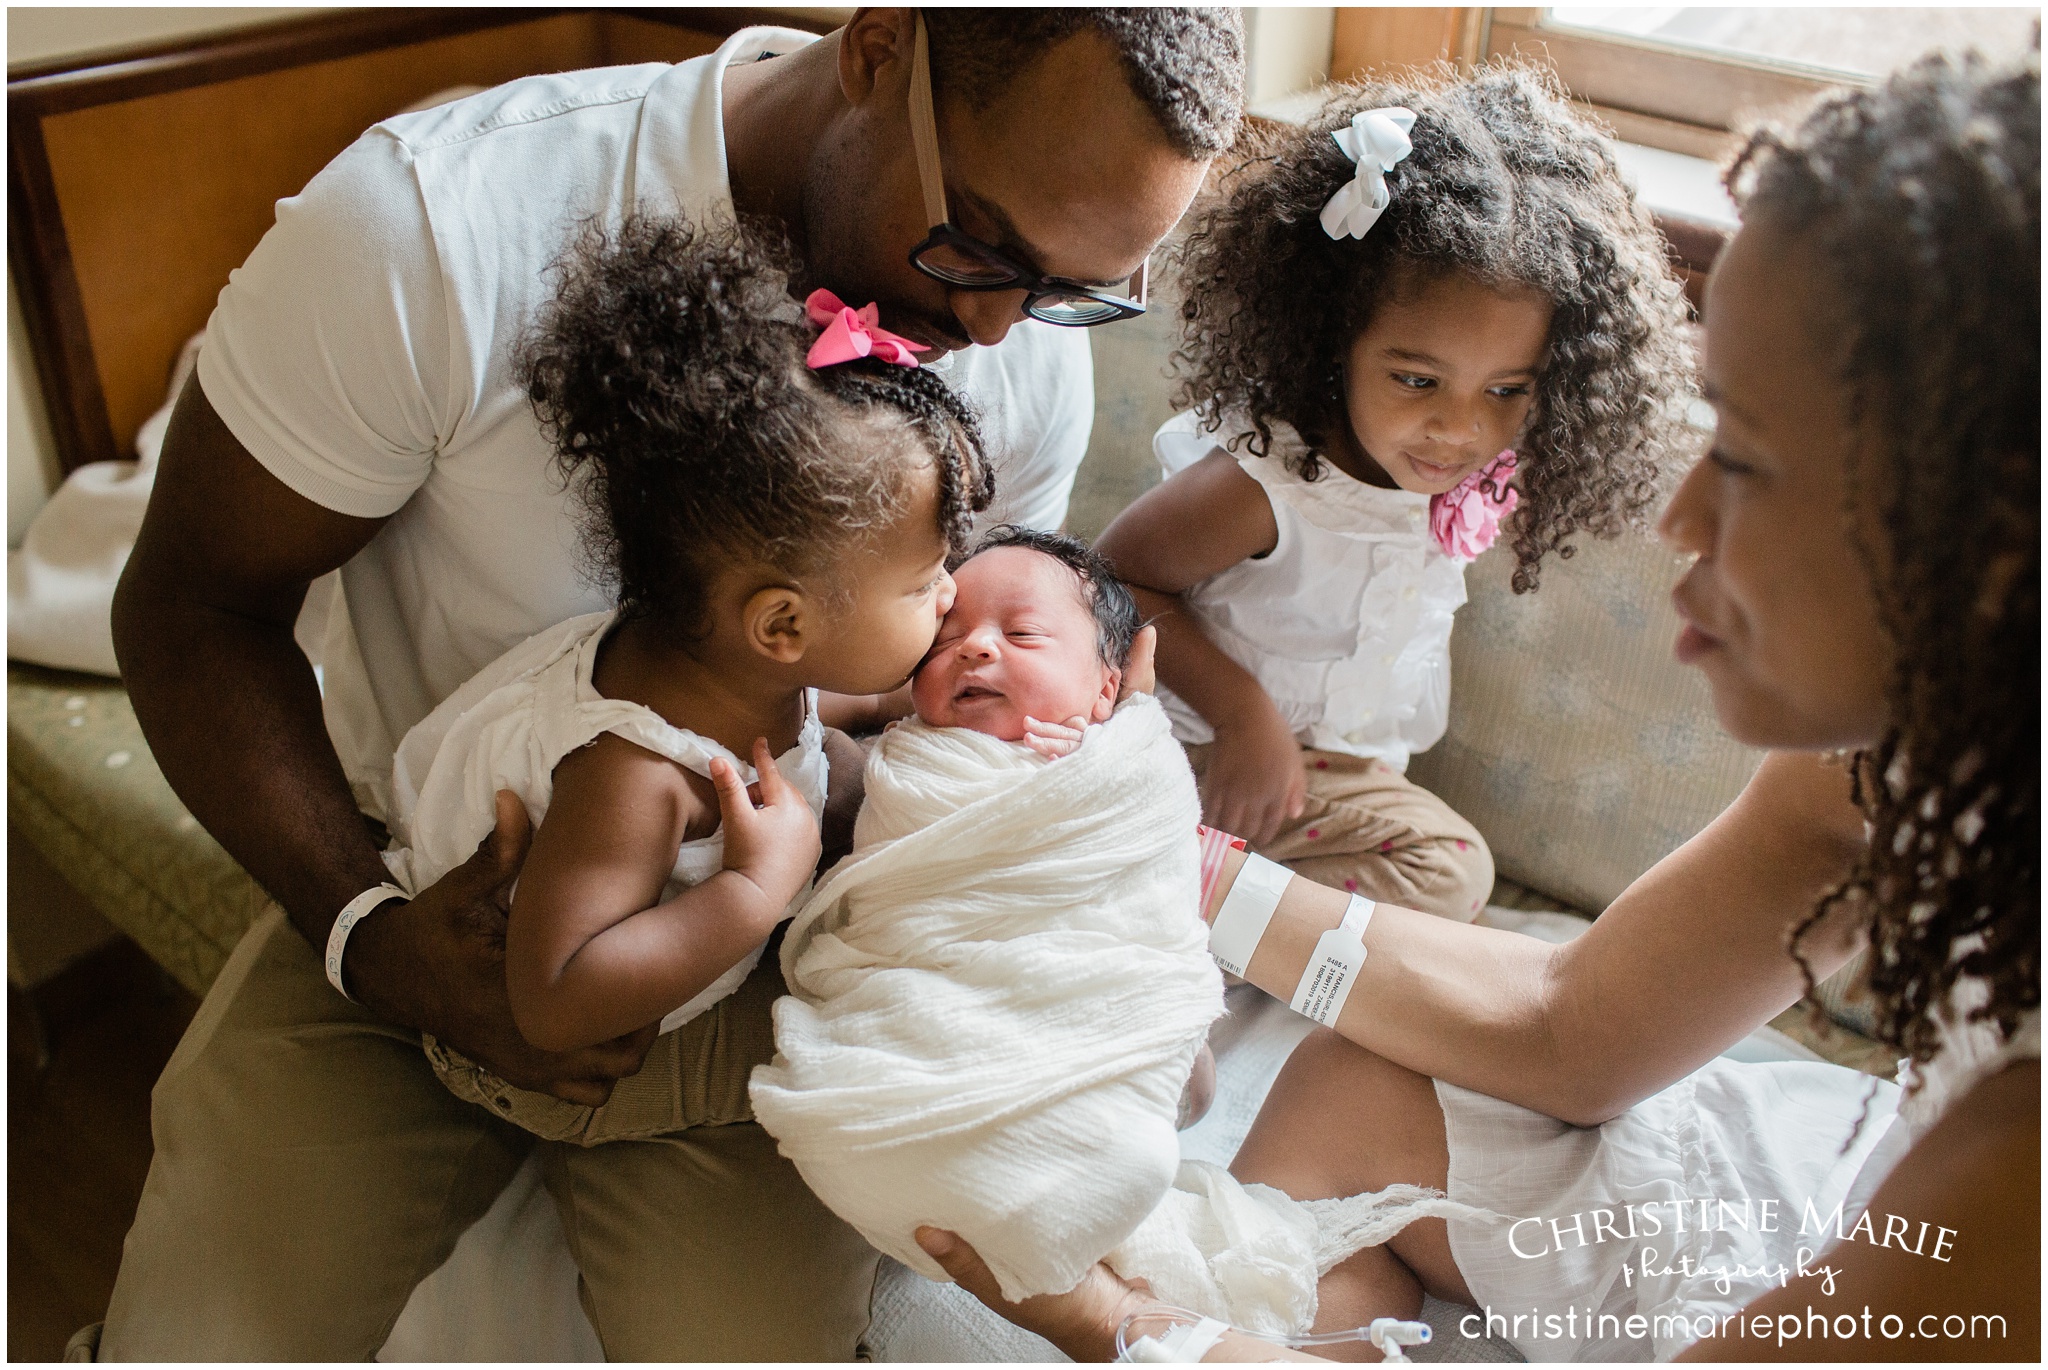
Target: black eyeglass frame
x: 1036, y: 286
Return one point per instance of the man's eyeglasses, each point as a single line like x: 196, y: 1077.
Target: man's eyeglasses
x: 966, y: 263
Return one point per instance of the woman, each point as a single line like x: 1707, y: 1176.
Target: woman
x: 1865, y: 535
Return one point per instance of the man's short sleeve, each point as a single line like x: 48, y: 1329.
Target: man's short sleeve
x: 327, y: 355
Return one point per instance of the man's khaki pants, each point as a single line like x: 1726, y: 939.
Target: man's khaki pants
x: 1369, y: 829
x: 310, y: 1170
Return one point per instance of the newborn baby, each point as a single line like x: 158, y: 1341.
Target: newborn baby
x: 996, y: 999
x: 1034, y: 648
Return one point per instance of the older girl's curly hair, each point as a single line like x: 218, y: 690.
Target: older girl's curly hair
x: 1504, y: 183
x: 669, y: 374
x: 1920, y: 200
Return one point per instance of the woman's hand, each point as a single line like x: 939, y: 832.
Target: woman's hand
x: 1254, y: 782
x: 1082, y: 1322
x: 776, y: 846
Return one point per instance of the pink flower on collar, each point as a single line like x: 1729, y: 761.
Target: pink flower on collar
x: 1465, y: 519
x: 853, y: 333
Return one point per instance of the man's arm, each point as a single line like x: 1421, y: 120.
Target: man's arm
x: 203, y: 632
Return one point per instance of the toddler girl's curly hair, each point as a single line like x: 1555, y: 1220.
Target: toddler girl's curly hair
x: 1920, y: 202
x: 669, y: 374
x: 1505, y: 184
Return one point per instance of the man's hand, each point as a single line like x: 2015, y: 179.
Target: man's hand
x: 1082, y: 1322
x: 1254, y: 781
x: 437, y: 964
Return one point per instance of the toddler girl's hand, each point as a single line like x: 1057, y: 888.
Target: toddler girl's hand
x: 1054, y: 740
x: 776, y: 846
x: 1254, y: 782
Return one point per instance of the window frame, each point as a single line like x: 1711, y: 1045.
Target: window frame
x: 1654, y: 93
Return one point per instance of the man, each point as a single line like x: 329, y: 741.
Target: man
x: 355, y: 408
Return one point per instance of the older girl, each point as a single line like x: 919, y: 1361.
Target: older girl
x: 1430, y: 291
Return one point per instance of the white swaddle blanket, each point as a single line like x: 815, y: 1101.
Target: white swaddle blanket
x: 994, y: 1005
x: 996, y: 999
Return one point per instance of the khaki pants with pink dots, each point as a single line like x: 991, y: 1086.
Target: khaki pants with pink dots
x: 1369, y: 829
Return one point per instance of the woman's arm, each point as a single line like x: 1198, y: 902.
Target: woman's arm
x: 1689, y: 959
x: 590, y: 953
x: 1204, y: 519
x: 1961, y: 1281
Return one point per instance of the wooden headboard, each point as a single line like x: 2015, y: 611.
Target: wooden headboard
x: 136, y: 182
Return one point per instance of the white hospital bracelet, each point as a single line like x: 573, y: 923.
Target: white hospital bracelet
x: 1340, y: 955
x: 1246, y: 910
x: 1183, y: 1344
x: 351, y: 914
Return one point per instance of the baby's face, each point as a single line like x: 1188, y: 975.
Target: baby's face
x: 1017, y: 642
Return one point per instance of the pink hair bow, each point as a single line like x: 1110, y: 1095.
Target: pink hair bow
x: 1466, y: 518
x: 851, y: 334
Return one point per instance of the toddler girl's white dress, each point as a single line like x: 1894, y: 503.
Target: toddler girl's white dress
x: 1346, y: 623
x: 509, y: 726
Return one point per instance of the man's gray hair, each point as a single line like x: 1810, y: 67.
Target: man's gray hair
x: 1187, y: 65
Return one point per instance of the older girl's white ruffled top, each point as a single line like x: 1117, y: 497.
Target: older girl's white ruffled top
x: 510, y: 725
x: 1346, y: 623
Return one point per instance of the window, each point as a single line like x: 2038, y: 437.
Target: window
x: 1681, y: 77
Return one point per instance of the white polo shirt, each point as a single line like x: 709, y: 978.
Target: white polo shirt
x: 363, y: 355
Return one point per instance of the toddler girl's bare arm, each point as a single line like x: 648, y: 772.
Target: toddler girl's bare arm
x: 592, y: 951
x: 1255, y: 781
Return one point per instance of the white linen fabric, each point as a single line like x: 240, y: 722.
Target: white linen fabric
x: 60, y: 582
x: 1346, y: 623
x: 1249, y: 1255
x: 1969, y: 1053
x: 1681, y: 1211
x: 995, y: 1000
x: 363, y: 355
x: 509, y: 726
x: 1811, y: 1141
x: 994, y: 1003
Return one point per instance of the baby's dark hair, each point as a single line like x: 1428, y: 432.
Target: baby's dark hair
x: 669, y: 374
x: 1506, y: 184
x: 1106, y: 597
x: 1919, y: 202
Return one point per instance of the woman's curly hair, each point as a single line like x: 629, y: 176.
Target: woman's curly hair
x: 1504, y: 183
x: 668, y: 372
x: 1920, y: 201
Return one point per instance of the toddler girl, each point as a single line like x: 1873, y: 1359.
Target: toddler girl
x: 776, y: 506
x: 1434, y: 307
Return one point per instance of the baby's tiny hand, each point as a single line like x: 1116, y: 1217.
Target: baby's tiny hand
x: 1054, y: 740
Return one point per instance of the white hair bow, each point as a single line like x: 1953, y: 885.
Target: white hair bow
x: 1376, y: 140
